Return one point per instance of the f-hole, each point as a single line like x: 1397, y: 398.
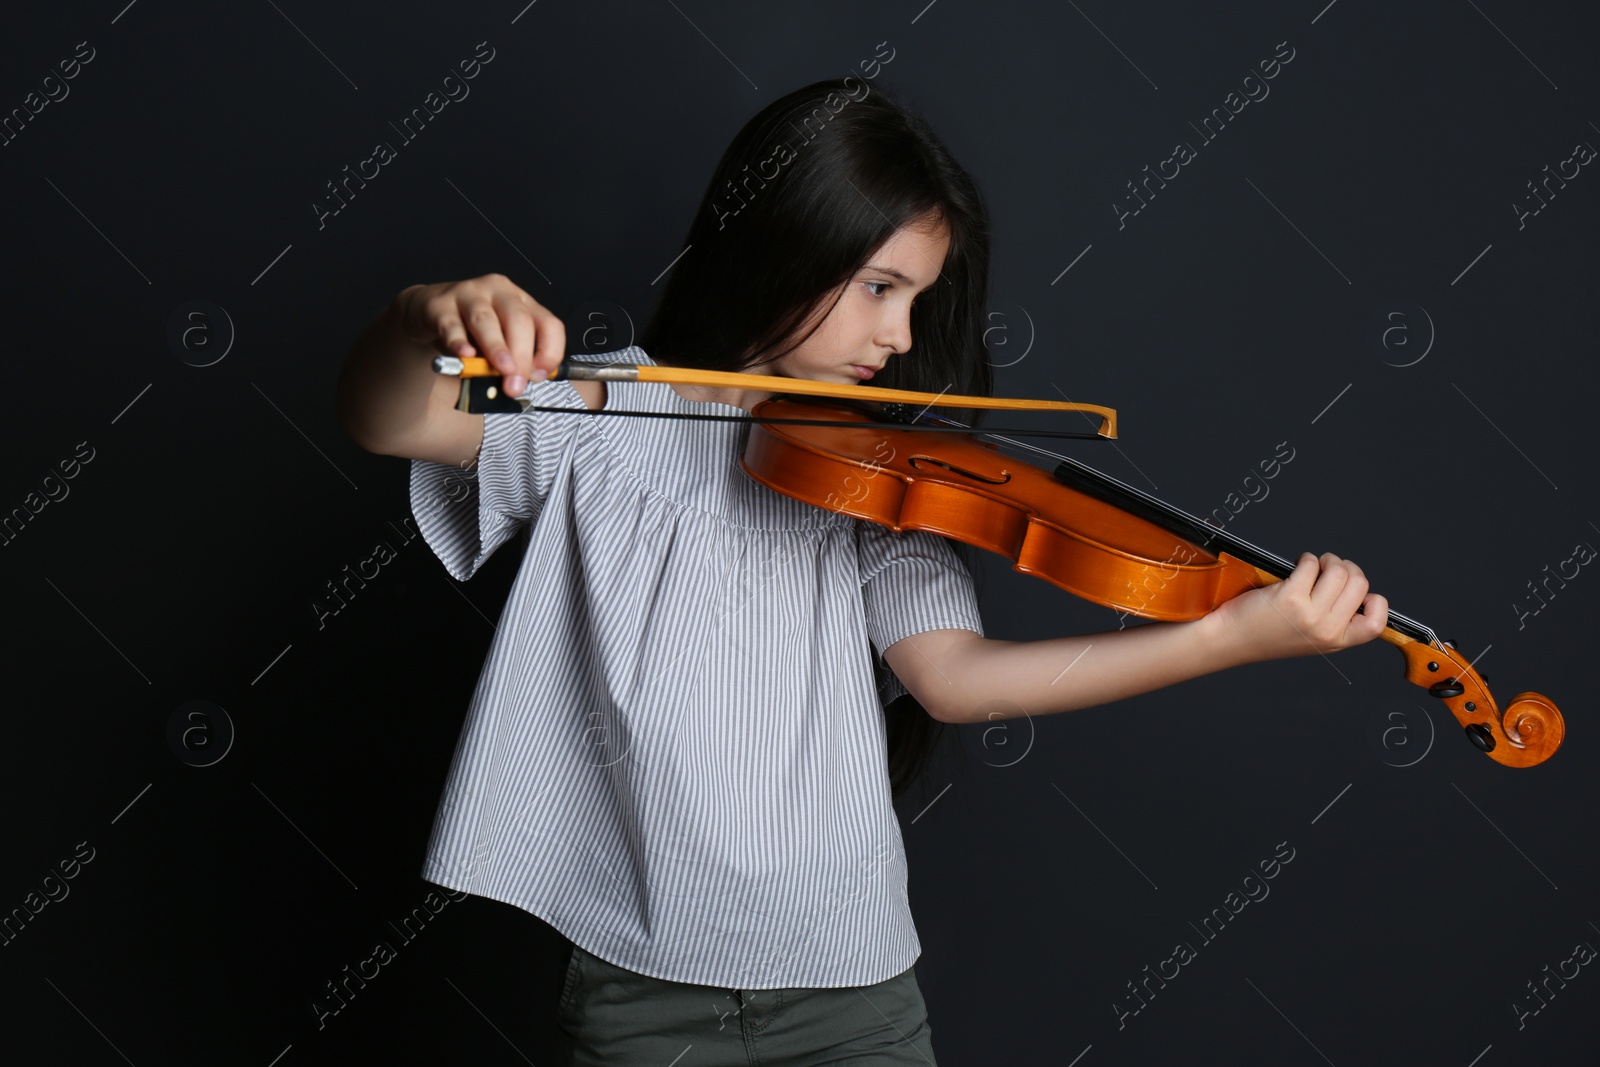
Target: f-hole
x: 918, y: 461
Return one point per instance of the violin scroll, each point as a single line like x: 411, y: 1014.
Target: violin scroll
x: 1527, y: 732
x: 1532, y: 721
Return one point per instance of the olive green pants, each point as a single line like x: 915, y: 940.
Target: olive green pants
x: 614, y: 1017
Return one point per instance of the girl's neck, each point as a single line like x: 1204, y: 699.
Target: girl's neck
x: 745, y: 399
x: 705, y: 394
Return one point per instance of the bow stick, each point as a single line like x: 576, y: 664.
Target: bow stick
x: 478, y: 367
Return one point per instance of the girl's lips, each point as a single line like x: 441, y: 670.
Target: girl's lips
x: 864, y: 372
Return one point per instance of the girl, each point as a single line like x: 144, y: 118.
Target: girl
x: 677, y: 753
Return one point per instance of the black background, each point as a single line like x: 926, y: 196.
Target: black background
x: 1234, y: 312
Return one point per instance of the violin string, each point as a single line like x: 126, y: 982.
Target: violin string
x: 1397, y: 620
x: 1139, y: 494
x: 955, y: 428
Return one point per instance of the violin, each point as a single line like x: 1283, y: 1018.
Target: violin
x: 1094, y: 536
x: 1077, y: 528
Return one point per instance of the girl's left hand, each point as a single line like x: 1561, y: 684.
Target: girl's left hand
x: 1323, y: 606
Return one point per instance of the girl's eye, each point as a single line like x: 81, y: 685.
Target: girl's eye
x: 881, y: 285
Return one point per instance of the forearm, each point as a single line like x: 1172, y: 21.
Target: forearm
x: 1323, y: 606
x: 987, y: 679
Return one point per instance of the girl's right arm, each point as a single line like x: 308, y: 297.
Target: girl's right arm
x: 390, y: 400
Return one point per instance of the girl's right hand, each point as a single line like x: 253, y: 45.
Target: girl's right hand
x: 488, y: 316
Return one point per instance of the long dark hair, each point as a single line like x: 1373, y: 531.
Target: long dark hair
x: 806, y: 192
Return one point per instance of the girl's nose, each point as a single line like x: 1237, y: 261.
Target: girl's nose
x: 896, y: 332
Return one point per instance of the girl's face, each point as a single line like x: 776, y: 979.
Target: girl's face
x: 872, y: 320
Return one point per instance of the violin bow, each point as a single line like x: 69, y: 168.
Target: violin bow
x: 472, y: 367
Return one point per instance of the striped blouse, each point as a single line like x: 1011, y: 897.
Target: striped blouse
x: 675, y: 753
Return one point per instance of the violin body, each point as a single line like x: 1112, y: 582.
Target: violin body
x: 978, y: 495
x: 1088, y: 535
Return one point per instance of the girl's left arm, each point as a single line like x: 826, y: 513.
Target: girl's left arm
x: 1323, y: 606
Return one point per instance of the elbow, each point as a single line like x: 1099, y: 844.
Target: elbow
x: 936, y: 668
x: 943, y: 710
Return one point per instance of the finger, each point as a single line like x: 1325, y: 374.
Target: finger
x: 1352, y: 596
x: 551, y: 345
x: 484, y: 323
x: 415, y: 324
x: 450, y: 333
x: 1331, y: 581
x: 517, y: 325
x: 1304, y: 575
x: 1374, y: 618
